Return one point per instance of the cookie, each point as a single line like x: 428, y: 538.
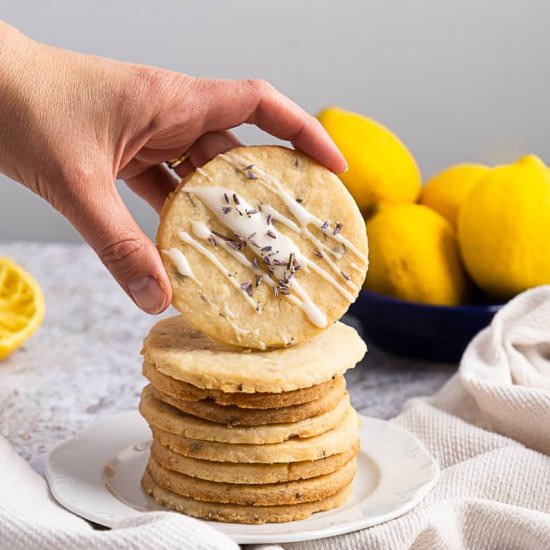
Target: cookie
x: 187, y: 392
x: 235, y: 513
x: 264, y: 247
x: 234, y: 416
x: 250, y: 473
x: 334, y: 441
x: 185, y: 354
x: 267, y: 494
x: 167, y: 418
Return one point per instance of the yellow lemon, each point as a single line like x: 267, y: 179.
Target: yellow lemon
x: 21, y: 306
x: 413, y: 255
x: 448, y: 189
x: 504, y: 228
x: 381, y: 168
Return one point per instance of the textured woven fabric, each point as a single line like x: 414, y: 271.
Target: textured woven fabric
x: 489, y: 428
x: 30, y: 519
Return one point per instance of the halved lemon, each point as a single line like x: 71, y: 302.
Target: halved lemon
x: 21, y: 306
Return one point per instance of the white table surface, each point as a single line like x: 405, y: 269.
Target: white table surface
x: 84, y: 362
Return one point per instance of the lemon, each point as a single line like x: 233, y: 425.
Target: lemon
x: 21, y: 306
x: 381, y: 168
x: 504, y: 228
x: 414, y: 256
x: 448, y: 189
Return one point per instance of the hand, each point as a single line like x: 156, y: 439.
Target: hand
x: 71, y: 124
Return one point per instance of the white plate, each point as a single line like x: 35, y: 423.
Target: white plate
x: 97, y: 473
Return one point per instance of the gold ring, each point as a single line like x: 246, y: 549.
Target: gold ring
x: 174, y: 163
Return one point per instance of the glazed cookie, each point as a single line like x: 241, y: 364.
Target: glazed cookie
x: 334, y: 441
x: 235, y: 416
x: 185, y: 354
x: 265, y: 494
x: 167, y: 418
x: 263, y: 246
x: 236, y: 513
x: 250, y: 473
x: 187, y: 392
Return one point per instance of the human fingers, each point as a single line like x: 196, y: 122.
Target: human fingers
x: 229, y: 103
x: 99, y: 214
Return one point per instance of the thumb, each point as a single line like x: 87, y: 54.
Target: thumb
x: 133, y: 260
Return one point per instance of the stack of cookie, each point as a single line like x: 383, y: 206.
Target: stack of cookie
x: 247, y: 402
x: 249, y: 437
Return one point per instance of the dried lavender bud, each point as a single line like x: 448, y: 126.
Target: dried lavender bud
x: 290, y: 260
x: 299, y: 200
x: 324, y: 226
x: 346, y: 276
x: 247, y: 287
x: 226, y: 209
x: 269, y: 219
x: 318, y: 253
x: 270, y: 234
x: 266, y: 248
x: 235, y: 245
x: 223, y: 237
x: 259, y: 279
x: 212, y: 241
x: 226, y: 198
x: 337, y: 228
x: 236, y: 199
x: 284, y: 290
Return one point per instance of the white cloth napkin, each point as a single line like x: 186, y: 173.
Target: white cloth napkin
x: 489, y: 427
x: 30, y: 519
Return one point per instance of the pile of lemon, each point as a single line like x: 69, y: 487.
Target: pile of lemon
x: 469, y: 228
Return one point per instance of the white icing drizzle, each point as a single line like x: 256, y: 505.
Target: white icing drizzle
x: 186, y: 238
x: 304, y: 216
x: 227, y: 312
x: 200, y: 230
x: 202, y: 172
x: 180, y: 261
x: 262, y: 238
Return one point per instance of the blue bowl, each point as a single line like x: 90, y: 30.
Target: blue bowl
x: 439, y: 333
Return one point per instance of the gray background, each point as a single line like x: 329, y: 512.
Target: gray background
x: 457, y: 81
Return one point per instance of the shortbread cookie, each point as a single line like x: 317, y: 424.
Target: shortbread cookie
x: 264, y: 247
x: 250, y: 473
x: 185, y: 354
x: 187, y: 392
x: 167, y: 418
x: 266, y: 494
x: 235, y: 513
x: 234, y: 416
x: 337, y: 440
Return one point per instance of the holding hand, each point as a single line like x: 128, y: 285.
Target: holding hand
x: 71, y: 124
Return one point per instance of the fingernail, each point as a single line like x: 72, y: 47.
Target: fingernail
x: 147, y: 294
